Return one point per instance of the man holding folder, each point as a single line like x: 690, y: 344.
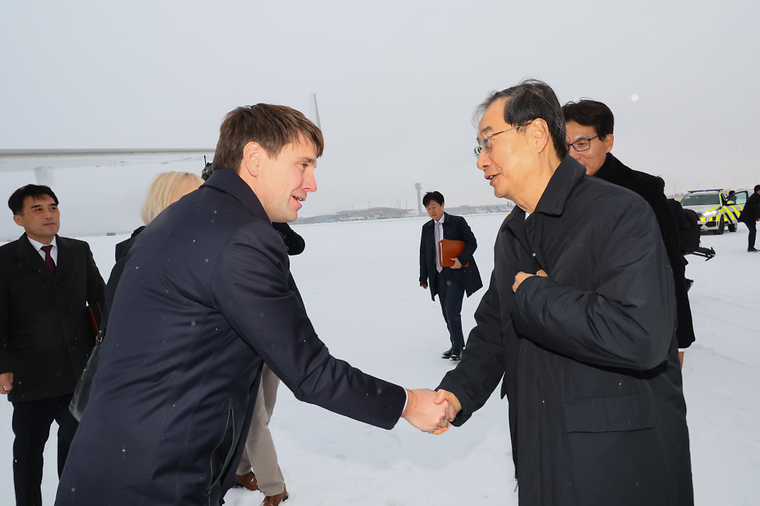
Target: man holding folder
x: 447, y: 265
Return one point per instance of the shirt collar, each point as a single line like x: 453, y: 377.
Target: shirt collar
x: 38, y: 245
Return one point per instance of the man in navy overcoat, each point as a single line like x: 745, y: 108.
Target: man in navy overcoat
x: 203, y: 302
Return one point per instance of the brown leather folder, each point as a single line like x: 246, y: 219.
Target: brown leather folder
x: 448, y: 249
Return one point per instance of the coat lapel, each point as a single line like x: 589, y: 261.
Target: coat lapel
x: 64, y: 257
x: 28, y: 255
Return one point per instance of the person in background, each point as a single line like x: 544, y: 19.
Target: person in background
x: 590, y: 137
x: 750, y: 216
x: 449, y: 283
x: 46, y: 283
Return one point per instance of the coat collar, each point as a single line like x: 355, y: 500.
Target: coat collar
x: 31, y: 257
x: 552, y: 203
x: 561, y: 185
x: 228, y: 181
x: 611, y: 171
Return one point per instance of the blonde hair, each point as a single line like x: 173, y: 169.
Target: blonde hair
x: 161, y: 191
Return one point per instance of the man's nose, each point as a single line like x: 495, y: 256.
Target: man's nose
x: 309, y: 182
x: 483, y: 160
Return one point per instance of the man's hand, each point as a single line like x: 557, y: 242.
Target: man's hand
x: 454, y: 406
x: 457, y: 264
x: 426, y: 412
x: 522, y: 276
x: 6, y: 382
x: 423, y: 286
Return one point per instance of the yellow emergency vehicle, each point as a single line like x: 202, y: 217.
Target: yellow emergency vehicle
x: 715, y: 210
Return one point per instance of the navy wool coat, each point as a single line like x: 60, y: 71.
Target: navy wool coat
x: 203, y: 301
x: 588, y: 355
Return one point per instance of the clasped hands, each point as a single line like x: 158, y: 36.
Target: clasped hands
x: 431, y: 411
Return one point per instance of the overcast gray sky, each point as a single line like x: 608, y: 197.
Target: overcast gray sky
x: 397, y: 83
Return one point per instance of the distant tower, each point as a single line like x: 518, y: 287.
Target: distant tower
x: 418, y: 187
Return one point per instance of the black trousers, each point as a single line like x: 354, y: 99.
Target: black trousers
x: 752, y: 226
x: 450, y: 295
x: 31, y: 425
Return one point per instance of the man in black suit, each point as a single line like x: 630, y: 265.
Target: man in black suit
x: 46, y: 282
x: 449, y: 283
x: 205, y: 300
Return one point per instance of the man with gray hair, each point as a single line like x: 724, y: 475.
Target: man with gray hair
x: 579, y: 321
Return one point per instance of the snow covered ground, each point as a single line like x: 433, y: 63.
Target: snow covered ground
x: 360, y: 284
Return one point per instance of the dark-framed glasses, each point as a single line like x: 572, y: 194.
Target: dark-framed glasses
x: 582, y: 144
x: 484, y: 144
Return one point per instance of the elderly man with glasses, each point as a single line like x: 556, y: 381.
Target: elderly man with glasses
x: 578, y: 323
x: 589, y: 127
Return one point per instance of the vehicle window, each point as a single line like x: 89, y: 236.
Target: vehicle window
x: 692, y: 199
x: 741, y: 198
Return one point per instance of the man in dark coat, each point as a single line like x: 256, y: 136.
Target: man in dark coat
x: 751, y: 215
x: 46, y: 282
x: 449, y: 283
x: 590, y: 139
x: 579, y: 320
x: 205, y: 299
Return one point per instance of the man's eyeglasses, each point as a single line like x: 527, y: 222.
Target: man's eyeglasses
x: 582, y: 144
x: 484, y: 144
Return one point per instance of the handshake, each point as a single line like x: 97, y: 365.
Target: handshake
x: 431, y: 411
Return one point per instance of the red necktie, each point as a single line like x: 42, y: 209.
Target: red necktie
x: 48, y: 258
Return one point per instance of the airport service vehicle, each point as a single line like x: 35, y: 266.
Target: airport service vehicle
x: 714, y: 209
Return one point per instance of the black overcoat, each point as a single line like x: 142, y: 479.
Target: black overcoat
x: 588, y: 355
x: 45, y: 334
x: 751, y: 210
x: 648, y: 187
x: 454, y: 228
x: 203, y: 301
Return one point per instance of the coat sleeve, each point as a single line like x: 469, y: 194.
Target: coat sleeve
x: 470, y: 243
x: 483, y: 364
x: 251, y: 290
x: 95, y: 287
x: 423, y: 260
x: 627, y: 317
x: 5, y: 302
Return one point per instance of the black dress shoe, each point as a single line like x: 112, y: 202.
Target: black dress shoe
x: 456, y: 356
x: 447, y: 354
x: 751, y: 249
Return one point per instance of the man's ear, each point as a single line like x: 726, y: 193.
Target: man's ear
x: 539, y: 132
x: 251, y: 162
x: 609, y: 141
x: 19, y: 220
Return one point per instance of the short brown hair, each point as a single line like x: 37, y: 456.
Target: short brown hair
x: 271, y: 126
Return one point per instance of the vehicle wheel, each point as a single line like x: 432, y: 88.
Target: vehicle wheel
x: 732, y: 227
x: 721, y: 226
